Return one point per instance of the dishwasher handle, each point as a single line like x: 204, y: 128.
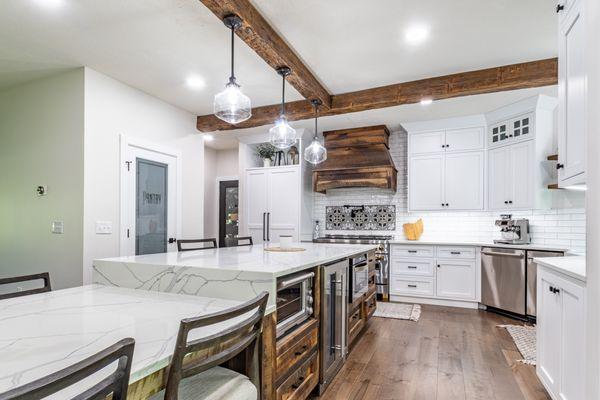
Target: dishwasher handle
x: 496, y: 253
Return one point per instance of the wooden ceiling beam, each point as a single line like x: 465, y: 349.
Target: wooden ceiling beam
x: 509, y: 77
x: 270, y: 46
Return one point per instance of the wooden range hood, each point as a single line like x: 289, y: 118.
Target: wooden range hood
x: 358, y: 157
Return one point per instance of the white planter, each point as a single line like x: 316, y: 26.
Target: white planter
x: 266, y: 162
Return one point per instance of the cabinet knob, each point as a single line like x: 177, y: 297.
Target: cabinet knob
x: 560, y: 166
x: 510, y: 202
x: 560, y: 7
x: 506, y: 202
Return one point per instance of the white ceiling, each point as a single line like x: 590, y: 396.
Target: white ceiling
x: 154, y: 45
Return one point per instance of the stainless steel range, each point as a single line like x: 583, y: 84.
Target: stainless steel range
x: 382, y: 256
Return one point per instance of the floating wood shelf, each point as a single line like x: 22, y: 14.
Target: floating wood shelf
x: 553, y: 186
x: 553, y: 157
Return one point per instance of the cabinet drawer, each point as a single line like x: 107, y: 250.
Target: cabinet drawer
x: 371, y: 305
x: 412, y: 267
x: 456, y: 252
x: 409, y: 286
x: 301, y: 382
x: 294, y: 348
x: 354, y: 319
x: 355, y: 325
x: 412, y: 251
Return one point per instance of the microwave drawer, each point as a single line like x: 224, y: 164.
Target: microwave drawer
x: 412, y: 251
x: 411, y: 286
x: 463, y: 252
x: 412, y: 267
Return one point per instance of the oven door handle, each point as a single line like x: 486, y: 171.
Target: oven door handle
x: 496, y: 253
x: 360, y: 267
x: 293, y: 281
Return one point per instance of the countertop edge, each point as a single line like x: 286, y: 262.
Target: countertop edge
x: 557, y: 264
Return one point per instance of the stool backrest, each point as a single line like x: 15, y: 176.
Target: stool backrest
x: 196, y: 244
x: 116, y: 383
x: 45, y: 276
x: 238, y: 241
x: 220, y: 347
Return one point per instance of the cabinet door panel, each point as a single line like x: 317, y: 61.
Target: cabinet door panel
x: 426, y: 185
x: 548, y: 332
x: 572, y: 92
x: 429, y: 142
x: 464, y: 181
x: 456, y: 280
x: 464, y: 139
x: 498, y: 134
x: 498, y: 175
x: 284, y: 202
x: 256, y: 203
x: 521, y: 178
x: 572, y: 363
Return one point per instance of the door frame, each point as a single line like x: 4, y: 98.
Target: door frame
x: 125, y: 143
x: 218, y: 219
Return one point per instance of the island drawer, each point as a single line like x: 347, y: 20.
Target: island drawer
x: 464, y: 252
x: 295, y: 347
x: 371, y: 305
x: 406, y: 285
x: 301, y: 382
x: 412, y: 251
x: 412, y: 267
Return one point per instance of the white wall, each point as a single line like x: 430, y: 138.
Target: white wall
x: 218, y: 164
x: 111, y: 109
x: 41, y: 143
x: 592, y: 54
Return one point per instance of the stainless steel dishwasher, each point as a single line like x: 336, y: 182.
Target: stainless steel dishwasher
x: 503, y: 279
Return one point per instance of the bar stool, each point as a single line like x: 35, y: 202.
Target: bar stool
x: 203, y: 244
x: 200, y: 377
x: 238, y: 241
x: 116, y: 383
x: 45, y: 276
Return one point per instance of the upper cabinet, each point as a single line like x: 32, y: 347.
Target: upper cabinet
x: 510, y: 131
x: 571, y: 93
x: 446, y: 164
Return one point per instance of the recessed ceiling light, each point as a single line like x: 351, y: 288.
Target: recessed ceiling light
x: 195, y: 82
x: 208, y: 137
x: 50, y: 4
x: 416, y: 34
x: 426, y: 101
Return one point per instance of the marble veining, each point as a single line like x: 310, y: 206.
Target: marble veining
x: 44, y: 333
x: 235, y: 273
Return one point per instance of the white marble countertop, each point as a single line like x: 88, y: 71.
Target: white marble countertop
x: 43, y: 333
x: 401, y: 240
x: 251, y: 258
x: 570, y: 266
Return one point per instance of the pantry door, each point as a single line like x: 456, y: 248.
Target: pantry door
x: 150, y: 201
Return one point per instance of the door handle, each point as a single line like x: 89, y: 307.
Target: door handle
x: 264, y: 223
x: 494, y: 253
x: 268, y: 227
x: 172, y: 240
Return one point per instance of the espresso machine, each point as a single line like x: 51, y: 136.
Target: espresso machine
x: 513, y: 231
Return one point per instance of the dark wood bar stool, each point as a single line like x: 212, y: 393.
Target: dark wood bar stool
x: 238, y: 241
x: 200, y: 377
x: 196, y: 244
x: 116, y: 383
x: 45, y: 276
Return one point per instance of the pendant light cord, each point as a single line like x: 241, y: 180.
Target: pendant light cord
x: 316, y: 119
x: 283, y: 96
x: 232, y: 77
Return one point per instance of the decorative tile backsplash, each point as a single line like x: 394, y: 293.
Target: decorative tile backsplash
x: 562, y: 226
x: 363, y: 218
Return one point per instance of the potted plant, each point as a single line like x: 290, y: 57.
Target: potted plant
x: 266, y: 151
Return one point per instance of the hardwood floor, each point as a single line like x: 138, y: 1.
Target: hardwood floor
x: 449, y: 354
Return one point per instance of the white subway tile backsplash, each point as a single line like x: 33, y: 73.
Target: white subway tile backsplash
x: 553, y: 227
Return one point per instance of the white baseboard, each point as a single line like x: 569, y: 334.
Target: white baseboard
x: 436, y: 302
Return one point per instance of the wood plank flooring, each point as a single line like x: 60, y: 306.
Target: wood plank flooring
x: 450, y: 354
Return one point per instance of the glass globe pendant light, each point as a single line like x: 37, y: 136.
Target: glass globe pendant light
x: 315, y: 153
x: 231, y: 105
x: 282, y: 135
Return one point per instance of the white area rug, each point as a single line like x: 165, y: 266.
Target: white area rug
x: 524, y: 338
x: 411, y: 312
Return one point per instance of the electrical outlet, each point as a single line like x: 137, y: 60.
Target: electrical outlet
x: 58, y: 227
x: 103, y: 227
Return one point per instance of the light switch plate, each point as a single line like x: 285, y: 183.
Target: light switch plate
x: 58, y: 227
x: 104, y: 228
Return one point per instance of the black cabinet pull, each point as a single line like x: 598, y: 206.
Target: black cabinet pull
x: 510, y: 202
x: 447, y: 204
x: 412, y: 267
x: 412, y: 286
x: 560, y: 166
x: 455, y: 252
x: 506, y: 202
x: 551, y: 289
x: 439, y: 266
x: 560, y: 7
x: 412, y: 251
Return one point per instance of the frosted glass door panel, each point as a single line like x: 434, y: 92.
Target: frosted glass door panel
x: 151, y: 214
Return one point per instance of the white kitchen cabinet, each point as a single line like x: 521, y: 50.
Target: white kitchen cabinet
x: 455, y: 279
x: 561, y: 334
x: 274, y: 204
x: 426, y: 182
x: 428, y: 142
x: 464, y: 181
x: 444, y: 275
x: 447, y: 140
x: 511, y: 130
x: 499, y: 173
x: 511, y: 177
x: 572, y: 84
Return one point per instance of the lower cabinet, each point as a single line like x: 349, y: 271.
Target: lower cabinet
x: 561, y: 335
x: 439, y: 273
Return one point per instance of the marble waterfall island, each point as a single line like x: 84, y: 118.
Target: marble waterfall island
x: 234, y: 273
